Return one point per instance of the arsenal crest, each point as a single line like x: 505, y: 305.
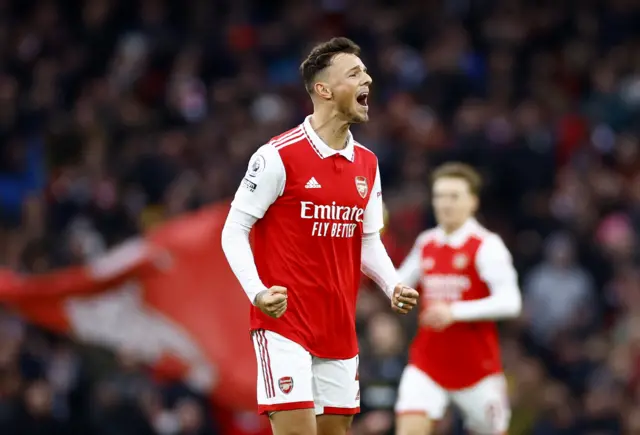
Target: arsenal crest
x: 286, y: 384
x: 361, y: 185
x: 428, y: 263
x: 460, y: 261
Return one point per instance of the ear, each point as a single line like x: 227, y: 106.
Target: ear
x: 476, y: 203
x: 322, y: 90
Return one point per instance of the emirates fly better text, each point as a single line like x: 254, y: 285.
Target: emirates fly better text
x: 332, y: 220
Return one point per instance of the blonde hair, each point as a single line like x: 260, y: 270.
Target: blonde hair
x: 460, y: 171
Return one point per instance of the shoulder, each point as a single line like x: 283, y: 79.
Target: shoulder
x: 270, y: 155
x: 264, y: 158
x: 491, y: 244
x: 365, y: 152
x: 426, y: 237
x: 287, y: 139
x: 266, y: 161
x: 483, y: 234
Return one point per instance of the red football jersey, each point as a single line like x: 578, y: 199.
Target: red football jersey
x: 452, y: 271
x: 308, y: 238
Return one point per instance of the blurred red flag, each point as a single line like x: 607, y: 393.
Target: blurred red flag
x: 170, y: 298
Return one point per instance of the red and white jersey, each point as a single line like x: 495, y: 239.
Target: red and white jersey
x: 313, y: 204
x: 473, y: 270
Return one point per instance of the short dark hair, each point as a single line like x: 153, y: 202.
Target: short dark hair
x: 461, y: 171
x: 321, y: 56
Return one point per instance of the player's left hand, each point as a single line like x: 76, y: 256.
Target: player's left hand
x: 437, y: 316
x: 404, y: 299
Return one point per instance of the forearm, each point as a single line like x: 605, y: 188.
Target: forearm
x: 237, y: 249
x: 409, y: 271
x: 377, y: 265
x: 501, y: 304
x: 495, y: 267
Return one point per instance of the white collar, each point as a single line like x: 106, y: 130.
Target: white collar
x: 459, y: 236
x: 322, y: 148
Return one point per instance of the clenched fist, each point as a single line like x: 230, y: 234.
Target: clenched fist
x: 404, y: 299
x: 272, y: 302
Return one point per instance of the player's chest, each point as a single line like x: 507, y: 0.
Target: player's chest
x: 437, y: 258
x: 329, y: 180
x: 449, y: 274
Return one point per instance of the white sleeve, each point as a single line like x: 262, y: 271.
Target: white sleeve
x: 262, y: 184
x: 374, y: 213
x: 376, y: 263
x: 237, y: 249
x: 409, y: 271
x: 495, y: 267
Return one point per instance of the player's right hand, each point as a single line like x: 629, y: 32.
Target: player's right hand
x: 273, y: 301
x: 404, y: 299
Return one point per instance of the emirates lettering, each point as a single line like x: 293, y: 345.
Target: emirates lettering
x: 449, y: 288
x: 332, y: 220
x: 309, y: 210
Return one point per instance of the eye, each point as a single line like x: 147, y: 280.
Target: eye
x: 353, y: 75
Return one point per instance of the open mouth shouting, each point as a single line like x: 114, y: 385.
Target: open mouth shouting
x: 362, y: 98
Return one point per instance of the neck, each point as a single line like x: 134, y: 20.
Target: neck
x: 450, y: 229
x: 330, y: 127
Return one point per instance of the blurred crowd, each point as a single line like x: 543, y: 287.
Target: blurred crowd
x: 116, y: 115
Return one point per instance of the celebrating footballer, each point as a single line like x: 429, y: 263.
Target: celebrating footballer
x: 312, y: 198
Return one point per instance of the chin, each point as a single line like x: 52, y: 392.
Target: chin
x: 358, y: 116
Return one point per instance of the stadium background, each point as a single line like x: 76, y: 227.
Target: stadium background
x: 116, y: 115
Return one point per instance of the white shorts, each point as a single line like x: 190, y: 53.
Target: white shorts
x: 291, y: 378
x: 484, y: 406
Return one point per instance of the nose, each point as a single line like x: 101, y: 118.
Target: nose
x: 367, y: 80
